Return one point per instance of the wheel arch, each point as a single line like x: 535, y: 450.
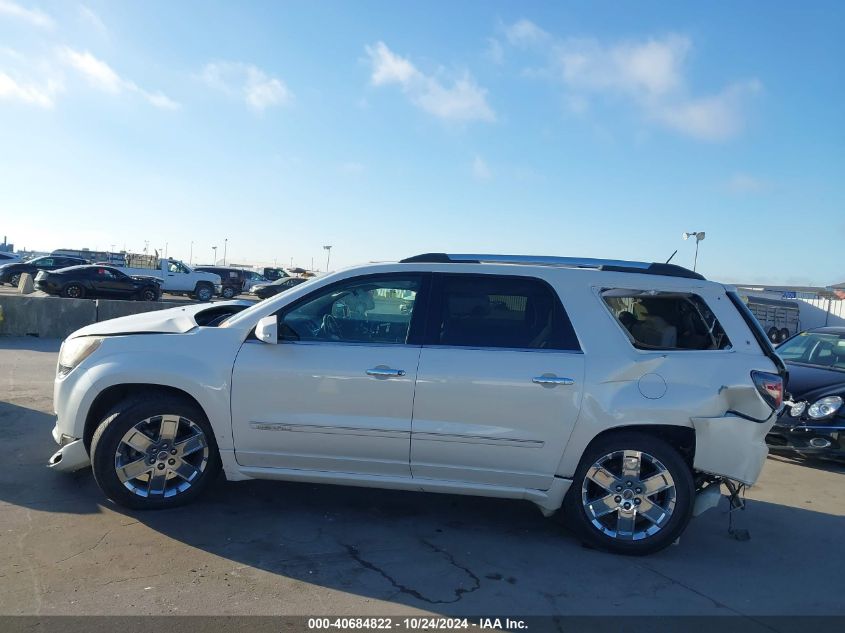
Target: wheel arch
x: 680, y: 437
x: 111, y: 396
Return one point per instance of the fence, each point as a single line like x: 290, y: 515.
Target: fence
x: 821, y: 312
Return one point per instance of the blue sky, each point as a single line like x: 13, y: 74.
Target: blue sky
x: 388, y: 129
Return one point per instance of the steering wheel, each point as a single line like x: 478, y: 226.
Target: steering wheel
x: 330, y: 327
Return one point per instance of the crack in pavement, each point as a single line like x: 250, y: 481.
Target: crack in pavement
x: 459, y: 592
x: 715, y: 602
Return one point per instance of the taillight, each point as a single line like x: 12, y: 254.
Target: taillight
x: 770, y: 386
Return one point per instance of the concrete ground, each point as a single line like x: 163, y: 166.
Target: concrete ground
x: 278, y: 548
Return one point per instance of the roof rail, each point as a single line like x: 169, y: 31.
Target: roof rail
x: 614, y: 265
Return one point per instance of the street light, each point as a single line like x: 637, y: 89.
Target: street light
x: 698, y: 235
x: 328, y: 248
x: 225, y: 245
x: 191, y: 257
x: 214, y: 261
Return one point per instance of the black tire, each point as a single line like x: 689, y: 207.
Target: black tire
x: 773, y: 334
x: 203, y: 292
x: 783, y: 334
x: 15, y: 279
x: 73, y: 291
x: 148, y: 294
x: 228, y: 292
x: 575, y: 514
x: 119, y: 421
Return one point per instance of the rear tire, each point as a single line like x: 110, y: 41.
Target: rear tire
x: 773, y: 334
x: 228, y: 292
x: 783, y: 334
x: 15, y: 280
x: 619, y: 514
x: 154, y: 453
x: 73, y: 291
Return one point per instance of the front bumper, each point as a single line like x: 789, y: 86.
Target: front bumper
x: 71, y: 456
x: 807, y: 436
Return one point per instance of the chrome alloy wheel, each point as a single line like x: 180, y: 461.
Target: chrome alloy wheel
x: 628, y: 495
x: 161, y: 456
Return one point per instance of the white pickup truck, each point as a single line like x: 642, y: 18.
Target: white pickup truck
x: 178, y: 278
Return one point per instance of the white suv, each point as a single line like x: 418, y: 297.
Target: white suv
x: 624, y: 392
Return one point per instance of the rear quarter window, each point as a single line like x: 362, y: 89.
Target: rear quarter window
x: 666, y: 320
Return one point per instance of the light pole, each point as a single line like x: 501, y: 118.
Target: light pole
x: 225, y: 245
x: 214, y: 262
x: 191, y: 256
x: 698, y: 235
x: 328, y: 248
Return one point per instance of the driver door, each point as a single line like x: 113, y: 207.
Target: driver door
x: 336, y: 394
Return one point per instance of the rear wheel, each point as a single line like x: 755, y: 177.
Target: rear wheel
x: 15, y: 279
x: 73, y: 291
x: 632, y: 494
x: 154, y: 454
x: 773, y: 334
x: 228, y: 292
x: 783, y: 334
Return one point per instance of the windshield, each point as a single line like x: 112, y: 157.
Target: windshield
x: 246, y: 314
x: 820, y: 349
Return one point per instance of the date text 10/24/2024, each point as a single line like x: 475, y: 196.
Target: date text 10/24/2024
x: 416, y: 623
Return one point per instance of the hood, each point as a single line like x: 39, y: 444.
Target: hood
x: 813, y: 382
x: 170, y: 321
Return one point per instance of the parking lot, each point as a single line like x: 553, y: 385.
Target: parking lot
x: 283, y: 548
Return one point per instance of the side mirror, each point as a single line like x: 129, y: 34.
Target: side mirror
x: 267, y: 329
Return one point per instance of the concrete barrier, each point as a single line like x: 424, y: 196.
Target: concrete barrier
x: 47, y: 317
x: 112, y: 309
x: 56, y: 317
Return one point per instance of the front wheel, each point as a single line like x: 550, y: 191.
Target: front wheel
x: 154, y: 453
x: 15, y: 280
x: 148, y: 294
x: 228, y: 292
x: 632, y: 494
x: 204, y: 292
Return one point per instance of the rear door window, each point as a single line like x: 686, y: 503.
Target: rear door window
x: 666, y: 320
x: 498, y: 312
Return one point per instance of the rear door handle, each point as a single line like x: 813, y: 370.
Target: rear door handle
x: 385, y: 372
x: 552, y: 380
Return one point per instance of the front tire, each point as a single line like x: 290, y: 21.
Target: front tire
x: 15, y: 280
x: 154, y: 453
x: 148, y: 294
x: 632, y: 494
x: 204, y: 292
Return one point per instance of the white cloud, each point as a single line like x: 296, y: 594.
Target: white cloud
x: 526, y: 33
x: 103, y: 77
x: 480, y: 169
x: 42, y: 96
x: 745, y: 183
x: 352, y: 168
x: 461, y: 100
x: 651, y: 74
x: 90, y: 17
x: 495, y: 51
x: 35, y: 17
x: 258, y: 90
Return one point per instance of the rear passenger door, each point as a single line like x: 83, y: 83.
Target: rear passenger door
x: 499, y: 382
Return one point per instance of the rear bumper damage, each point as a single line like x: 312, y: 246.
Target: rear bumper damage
x: 731, y: 447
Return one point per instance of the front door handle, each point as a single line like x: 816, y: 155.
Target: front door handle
x: 552, y: 380
x: 385, y: 372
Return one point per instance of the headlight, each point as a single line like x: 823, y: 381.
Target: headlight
x: 824, y: 407
x: 797, y: 408
x: 74, y: 351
